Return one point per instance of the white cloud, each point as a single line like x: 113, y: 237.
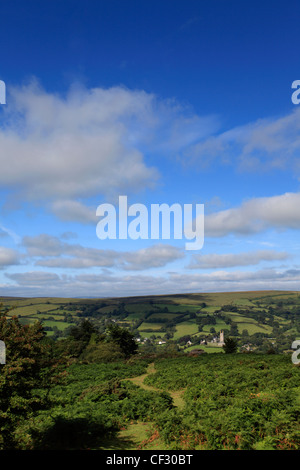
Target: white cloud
x: 43, y: 245
x: 8, y: 257
x: 261, y: 145
x: 62, y: 149
x: 229, y: 260
x: 106, y: 285
x: 34, y: 278
x: 152, y: 257
x: 74, y: 211
x: 77, y: 146
x: 59, y: 254
x: 255, y: 215
x: 54, y: 253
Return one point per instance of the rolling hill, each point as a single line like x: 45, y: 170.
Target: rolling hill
x: 257, y: 319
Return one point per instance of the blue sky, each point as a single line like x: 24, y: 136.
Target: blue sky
x: 184, y: 102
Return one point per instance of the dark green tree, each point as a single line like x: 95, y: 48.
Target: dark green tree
x: 30, y: 364
x: 124, y: 338
x: 77, y: 340
x: 230, y: 345
x: 83, y: 332
x: 234, y: 329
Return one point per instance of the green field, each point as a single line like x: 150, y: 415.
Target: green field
x: 166, y: 316
x: 29, y: 310
x: 61, y: 325
x: 220, y: 325
x: 185, y: 328
x: 177, y: 315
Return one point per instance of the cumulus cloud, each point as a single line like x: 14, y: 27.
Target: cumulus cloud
x: 152, y: 257
x: 90, y: 142
x: 255, y: 215
x: 55, y: 253
x: 73, y: 211
x: 43, y: 245
x: 8, y: 257
x: 229, y: 260
x: 74, y: 146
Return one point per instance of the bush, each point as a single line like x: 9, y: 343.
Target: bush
x: 102, y: 352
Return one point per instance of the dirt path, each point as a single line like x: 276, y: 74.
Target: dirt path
x: 139, y: 380
x: 136, y: 434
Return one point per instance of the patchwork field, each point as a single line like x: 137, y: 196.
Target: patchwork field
x: 178, y: 319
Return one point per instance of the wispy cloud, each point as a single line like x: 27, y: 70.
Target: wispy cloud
x: 230, y: 260
x: 265, y: 144
x: 16, y: 238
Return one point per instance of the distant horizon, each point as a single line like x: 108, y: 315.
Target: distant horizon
x: 150, y: 295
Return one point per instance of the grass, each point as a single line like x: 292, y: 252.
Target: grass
x: 133, y: 316
x: 139, y: 380
x: 253, y: 328
x: 48, y: 315
x: 182, y: 308
x: 168, y: 316
x: 207, y: 349
x: 185, y: 328
x: 31, y: 309
x: 220, y: 325
x: 136, y: 436
x: 246, y: 323
x: 210, y: 309
x: 57, y: 308
x: 150, y: 326
x: 138, y: 308
x: 61, y: 325
x: 244, y: 302
x: 108, y: 308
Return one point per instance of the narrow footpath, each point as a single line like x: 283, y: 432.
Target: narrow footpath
x: 139, y: 380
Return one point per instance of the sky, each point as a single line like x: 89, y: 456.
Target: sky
x: 165, y: 102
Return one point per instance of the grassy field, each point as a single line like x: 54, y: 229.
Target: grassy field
x: 218, y: 327
x: 207, y: 348
x: 185, y: 328
x: 183, y: 312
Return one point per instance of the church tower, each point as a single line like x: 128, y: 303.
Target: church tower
x: 221, y: 341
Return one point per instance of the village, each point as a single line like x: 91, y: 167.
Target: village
x: 216, y: 341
